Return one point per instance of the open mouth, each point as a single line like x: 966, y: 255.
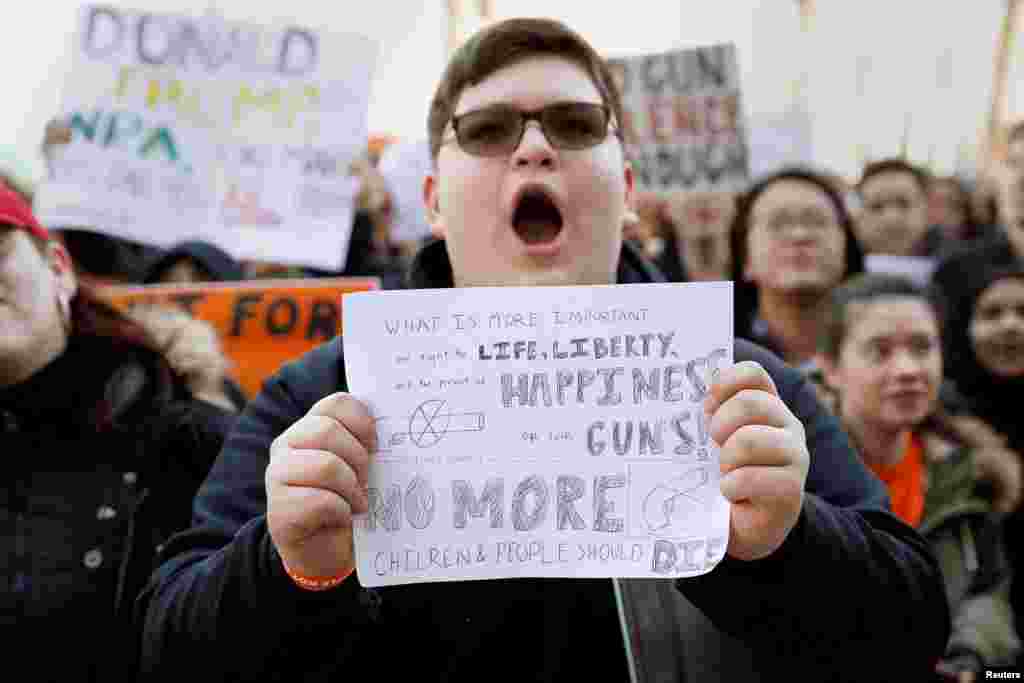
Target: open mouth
x: 907, y: 395
x: 537, y: 219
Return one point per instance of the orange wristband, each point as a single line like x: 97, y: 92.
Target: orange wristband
x: 312, y: 583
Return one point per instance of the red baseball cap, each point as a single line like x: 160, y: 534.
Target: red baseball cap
x: 15, y: 211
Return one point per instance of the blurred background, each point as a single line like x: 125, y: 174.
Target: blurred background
x: 841, y: 82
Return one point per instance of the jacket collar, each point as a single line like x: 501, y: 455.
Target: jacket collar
x: 431, y: 269
x: 93, y: 385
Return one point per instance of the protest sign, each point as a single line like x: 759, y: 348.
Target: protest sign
x: 200, y: 128
x: 262, y: 323
x: 405, y: 165
x: 681, y: 119
x: 918, y: 269
x: 775, y: 142
x: 551, y: 431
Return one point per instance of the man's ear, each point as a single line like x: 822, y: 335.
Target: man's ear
x: 432, y: 200
x: 63, y: 269
x: 828, y: 370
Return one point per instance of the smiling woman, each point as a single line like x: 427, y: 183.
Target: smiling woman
x: 986, y: 336
x: 881, y: 356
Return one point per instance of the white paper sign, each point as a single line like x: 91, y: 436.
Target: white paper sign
x: 918, y: 269
x: 540, y: 432
x: 405, y: 165
x: 238, y: 134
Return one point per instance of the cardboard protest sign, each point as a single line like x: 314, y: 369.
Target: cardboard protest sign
x: 551, y: 431
x: 405, y: 165
x: 261, y: 323
x: 681, y: 121
x: 237, y: 134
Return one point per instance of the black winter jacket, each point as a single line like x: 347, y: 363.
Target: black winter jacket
x: 853, y: 594
x: 102, y: 454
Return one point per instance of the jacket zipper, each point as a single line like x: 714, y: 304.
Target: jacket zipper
x: 627, y: 641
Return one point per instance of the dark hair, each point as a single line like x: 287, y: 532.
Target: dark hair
x: 745, y: 293
x: 894, y: 165
x: 503, y: 44
x: 964, y: 368
x: 866, y: 288
x: 92, y: 315
x: 971, y: 227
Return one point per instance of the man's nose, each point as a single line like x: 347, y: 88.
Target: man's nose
x: 1011, y: 320
x: 534, y: 148
x: 904, y: 363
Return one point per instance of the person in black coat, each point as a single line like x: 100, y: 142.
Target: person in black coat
x: 104, y: 449
x: 1004, y: 245
x: 193, y: 261
x: 985, y: 336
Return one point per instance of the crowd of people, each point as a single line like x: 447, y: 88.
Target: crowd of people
x: 159, y: 524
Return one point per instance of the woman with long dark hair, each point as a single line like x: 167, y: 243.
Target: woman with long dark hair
x: 792, y: 241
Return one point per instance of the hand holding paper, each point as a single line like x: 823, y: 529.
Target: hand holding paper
x: 315, y: 483
x: 539, y: 431
x: 763, y: 459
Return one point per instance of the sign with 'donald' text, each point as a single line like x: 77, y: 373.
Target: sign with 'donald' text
x: 201, y: 128
x: 539, y: 432
x: 681, y: 121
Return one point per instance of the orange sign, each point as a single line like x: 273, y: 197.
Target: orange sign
x: 261, y: 323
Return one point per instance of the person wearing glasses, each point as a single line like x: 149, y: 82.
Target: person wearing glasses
x: 792, y: 241
x: 530, y: 187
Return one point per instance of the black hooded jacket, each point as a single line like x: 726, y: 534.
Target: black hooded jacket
x: 103, y: 451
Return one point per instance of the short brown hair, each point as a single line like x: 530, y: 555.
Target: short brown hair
x: 503, y: 44
x: 895, y: 165
x: 868, y: 288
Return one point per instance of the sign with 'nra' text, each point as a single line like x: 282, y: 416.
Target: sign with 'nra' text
x: 237, y: 134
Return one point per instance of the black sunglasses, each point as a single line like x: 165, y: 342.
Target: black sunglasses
x: 498, y: 130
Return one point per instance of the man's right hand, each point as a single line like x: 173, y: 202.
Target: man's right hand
x: 316, y: 482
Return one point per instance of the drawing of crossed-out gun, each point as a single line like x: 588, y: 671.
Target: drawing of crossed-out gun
x: 428, y: 424
x: 671, y: 504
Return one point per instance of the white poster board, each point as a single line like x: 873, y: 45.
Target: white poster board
x: 405, y: 165
x: 682, y: 121
x: 552, y: 431
x: 186, y: 128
